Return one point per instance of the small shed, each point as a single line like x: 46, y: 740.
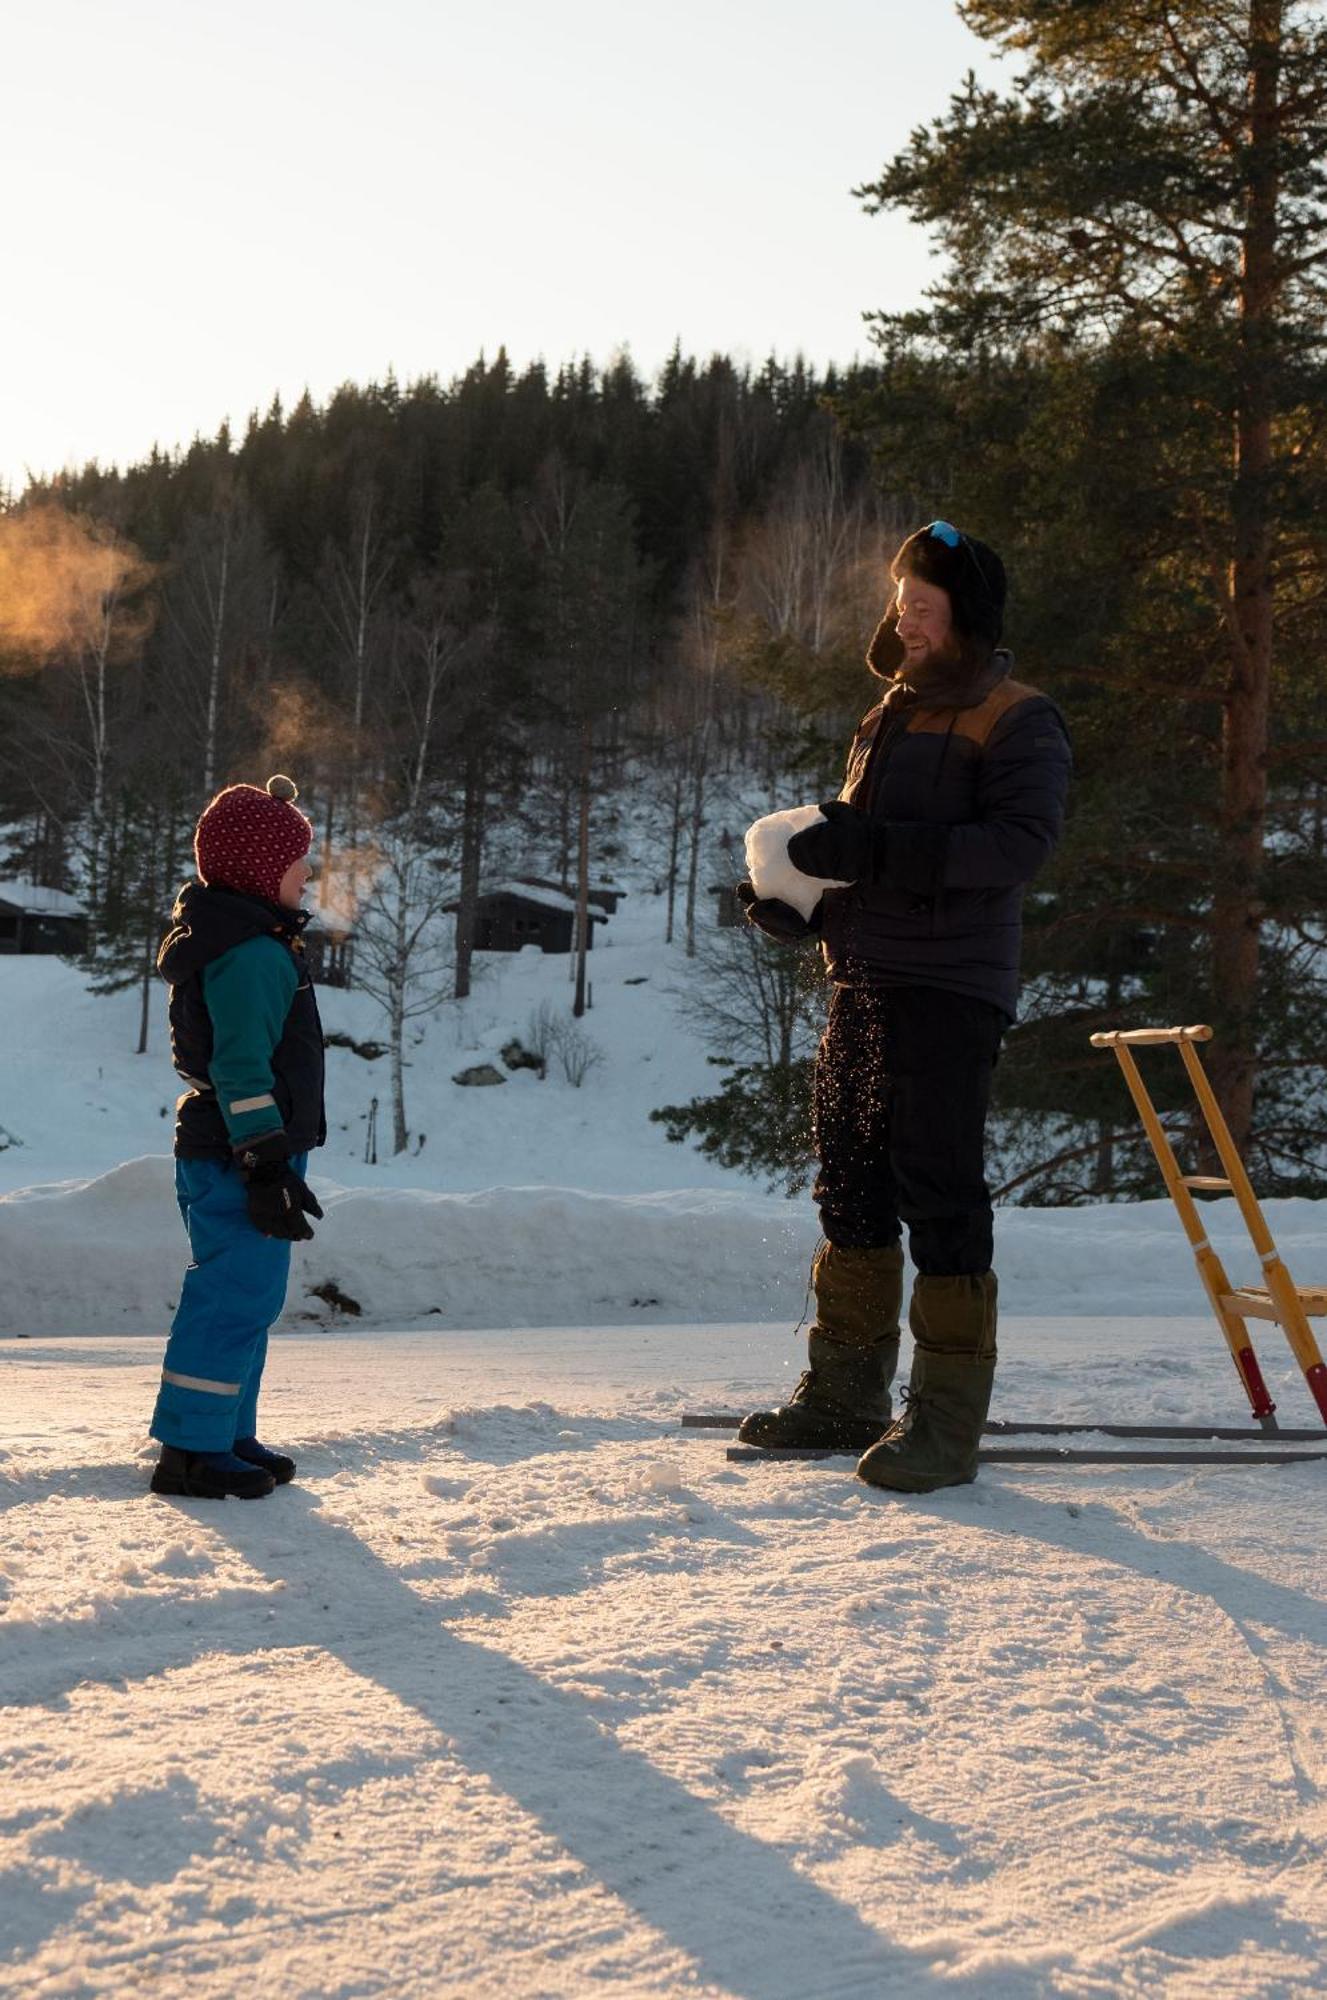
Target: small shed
x: 514, y: 914
x: 34, y: 919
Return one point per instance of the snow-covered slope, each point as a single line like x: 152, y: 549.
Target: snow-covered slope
x: 80, y: 1100
x: 530, y: 1203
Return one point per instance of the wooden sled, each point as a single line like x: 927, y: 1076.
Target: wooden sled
x: 1279, y: 1298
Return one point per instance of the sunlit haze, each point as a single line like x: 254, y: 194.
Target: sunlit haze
x: 207, y: 205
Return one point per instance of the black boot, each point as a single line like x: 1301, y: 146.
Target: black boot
x: 842, y: 1401
x: 281, y: 1468
x: 936, y: 1441
x: 209, y: 1475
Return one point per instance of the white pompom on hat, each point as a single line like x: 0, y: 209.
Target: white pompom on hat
x: 248, y: 838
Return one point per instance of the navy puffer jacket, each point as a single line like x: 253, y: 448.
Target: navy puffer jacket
x: 207, y: 924
x: 967, y: 803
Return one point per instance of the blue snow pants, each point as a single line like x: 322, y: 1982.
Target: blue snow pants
x: 233, y: 1290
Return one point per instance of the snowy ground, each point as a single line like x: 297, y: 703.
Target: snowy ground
x: 520, y: 1692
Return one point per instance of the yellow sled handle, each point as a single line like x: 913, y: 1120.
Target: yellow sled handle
x: 1141, y: 1036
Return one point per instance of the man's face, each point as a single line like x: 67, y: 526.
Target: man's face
x: 925, y: 621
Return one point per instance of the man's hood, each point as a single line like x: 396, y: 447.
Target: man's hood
x: 207, y: 923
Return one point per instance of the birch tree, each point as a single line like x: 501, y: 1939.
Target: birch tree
x: 590, y: 582
x: 403, y: 955
x: 219, y: 606
x: 355, y: 590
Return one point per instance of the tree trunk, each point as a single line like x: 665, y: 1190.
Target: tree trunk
x: 145, y: 1007
x: 1237, y: 909
x: 583, y: 877
x: 674, y: 850
x: 396, y: 988
x: 325, y: 870
x: 95, y: 700
x: 564, y: 832
x: 363, y: 595
x: 396, y: 1036
x: 472, y: 854
x: 695, y: 829
x: 214, y: 664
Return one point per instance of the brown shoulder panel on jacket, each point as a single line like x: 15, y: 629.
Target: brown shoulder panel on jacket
x: 974, y: 723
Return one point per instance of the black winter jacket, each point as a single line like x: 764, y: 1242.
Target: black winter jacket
x: 967, y: 804
x: 207, y: 923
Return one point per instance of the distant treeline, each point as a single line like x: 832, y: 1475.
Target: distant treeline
x: 270, y: 582
x: 475, y: 621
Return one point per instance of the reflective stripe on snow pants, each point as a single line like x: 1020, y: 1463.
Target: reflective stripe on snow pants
x: 233, y: 1290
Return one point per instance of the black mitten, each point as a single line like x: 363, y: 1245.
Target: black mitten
x: 777, y: 919
x: 837, y: 848
x: 279, y: 1200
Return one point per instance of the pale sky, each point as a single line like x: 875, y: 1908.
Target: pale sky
x: 207, y: 204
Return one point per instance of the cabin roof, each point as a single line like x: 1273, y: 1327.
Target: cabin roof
x: 35, y: 901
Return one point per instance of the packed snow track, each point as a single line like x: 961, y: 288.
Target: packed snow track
x: 522, y: 1691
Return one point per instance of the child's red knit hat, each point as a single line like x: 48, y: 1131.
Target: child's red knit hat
x: 247, y: 838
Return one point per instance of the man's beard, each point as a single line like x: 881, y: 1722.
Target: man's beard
x: 931, y: 658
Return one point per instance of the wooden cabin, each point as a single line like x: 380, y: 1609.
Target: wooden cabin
x: 34, y: 919
x: 514, y: 914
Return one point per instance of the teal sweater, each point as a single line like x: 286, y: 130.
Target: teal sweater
x: 248, y: 992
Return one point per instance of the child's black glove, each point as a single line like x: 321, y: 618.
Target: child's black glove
x: 279, y: 1199
x: 777, y: 919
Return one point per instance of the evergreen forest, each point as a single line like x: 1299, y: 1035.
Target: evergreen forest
x: 528, y: 620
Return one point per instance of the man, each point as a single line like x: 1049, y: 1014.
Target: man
x: 954, y: 798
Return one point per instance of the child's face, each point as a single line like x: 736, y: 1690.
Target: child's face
x: 293, y: 883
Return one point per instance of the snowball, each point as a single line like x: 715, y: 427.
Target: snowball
x: 661, y: 1475
x: 767, y: 863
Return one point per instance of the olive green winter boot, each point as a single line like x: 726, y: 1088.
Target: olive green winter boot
x: 936, y: 1440
x: 842, y: 1401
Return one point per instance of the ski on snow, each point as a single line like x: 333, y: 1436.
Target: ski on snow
x: 752, y: 1454
x: 728, y: 1420
x: 1268, y: 1434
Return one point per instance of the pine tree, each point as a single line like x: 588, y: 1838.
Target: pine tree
x: 1150, y: 198
x: 146, y: 838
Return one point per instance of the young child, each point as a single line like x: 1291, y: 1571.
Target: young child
x: 246, y: 1039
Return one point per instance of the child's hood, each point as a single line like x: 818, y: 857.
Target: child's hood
x: 207, y: 923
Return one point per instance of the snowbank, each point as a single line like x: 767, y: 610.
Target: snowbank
x: 106, y: 1255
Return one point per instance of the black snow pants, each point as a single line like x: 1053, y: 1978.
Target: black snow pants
x: 902, y: 1084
